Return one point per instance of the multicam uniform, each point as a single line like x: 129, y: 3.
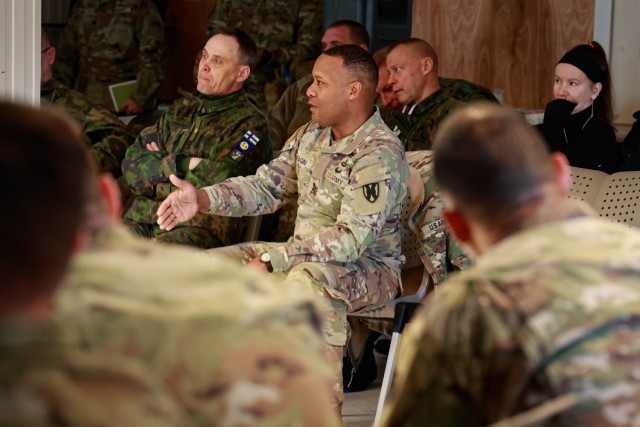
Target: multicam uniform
x: 112, y: 41
x: 287, y: 30
x: 346, y: 245
x: 107, y: 136
x: 46, y: 381
x: 228, y: 132
x: 234, y: 347
x: 549, y: 313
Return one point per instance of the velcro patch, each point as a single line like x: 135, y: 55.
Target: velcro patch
x: 247, y: 143
x: 371, y: 194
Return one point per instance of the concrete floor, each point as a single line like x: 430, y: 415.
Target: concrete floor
x: 359, y: 408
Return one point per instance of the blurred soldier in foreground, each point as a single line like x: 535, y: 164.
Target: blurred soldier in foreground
x: 546, y: 325
x: 107, y: 136
x: 349, y: 172
x: 106, y: 42
x: 286, y: 32
x: 217, y: 135
x: 44, y: 379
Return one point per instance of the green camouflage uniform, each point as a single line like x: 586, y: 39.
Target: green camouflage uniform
x: 112, y: 41
x: 46, y: 381
x: 107, y: 136
x: 228, y: 132
x: 549, y: 311
x: 465, y: 91
x: 290, y: 112
x: 346, y: 245
x: 233, y: 346
x: 287, y: 30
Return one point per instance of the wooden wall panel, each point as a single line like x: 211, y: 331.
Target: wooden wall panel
x: 512, y: 45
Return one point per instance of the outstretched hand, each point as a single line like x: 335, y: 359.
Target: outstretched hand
x: 179, y: 206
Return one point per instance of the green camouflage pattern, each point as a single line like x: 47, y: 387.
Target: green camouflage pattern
x: 112, y: 41
x: 437, y: 243
x: 290, y: 112
x: 551, y: 311
x: 234, y: 346
x: 210, y: 127
x: 465, y: 91
x: 416, y: 126
x: 46, y: 381
x: 288, y: 30
x: 107, y: 137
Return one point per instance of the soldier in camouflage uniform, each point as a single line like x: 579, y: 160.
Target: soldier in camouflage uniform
x: 427, y: 99
x: 218, y: 135
x: 348, y: 171
x: 284, y: 30
x: 546, y: 325
x: 234, y: 347
x: 107, y: 137
x: 113, y: 41
x: 44, y: 380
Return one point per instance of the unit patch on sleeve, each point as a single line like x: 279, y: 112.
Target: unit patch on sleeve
x: 247, y: 143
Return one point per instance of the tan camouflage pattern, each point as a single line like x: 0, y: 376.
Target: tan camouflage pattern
x: 288, y: 30
x: 438, y: 244
x: 235, y: 347
x: 112, y: 41
x: 416, y: 128
x: 107, y: 137
x: 214, y: 128
x: 46, y: 381
x: 548, y: 312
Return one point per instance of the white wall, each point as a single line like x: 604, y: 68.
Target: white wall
x: 20, y: 50
x: 625, y: 59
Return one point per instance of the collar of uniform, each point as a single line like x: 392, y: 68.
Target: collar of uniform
x: 348, y: 144
x: 209, y: 104
x: 48, y: 88
x: 436, y: 98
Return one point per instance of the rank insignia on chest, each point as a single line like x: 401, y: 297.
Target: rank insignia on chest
x: 371, y: 192
x: 247, y: 143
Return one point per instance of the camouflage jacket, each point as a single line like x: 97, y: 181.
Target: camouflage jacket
x: 228, y: 132
x: 350, y: 195
x: 107, y: 136
x: 416, y: 125
x: 287, y: 30
x: 46, y: 381
x: 551, y: 312
x: 438, y: 244
x: 465, y: 91
x: 112, y: 41
x: 235, y: 347
x: 290, y: 112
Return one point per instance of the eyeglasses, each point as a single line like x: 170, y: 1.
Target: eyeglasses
x: 44, y: 50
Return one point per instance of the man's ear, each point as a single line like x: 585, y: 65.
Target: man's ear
x: 458, y: 225
x: 243, y: 74
x: 427, y: 65
x: 563, y: 172
x: 111, y: 194
x: 354, y: 90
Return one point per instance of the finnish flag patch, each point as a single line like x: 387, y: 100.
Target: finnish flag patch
x: 247, y: 143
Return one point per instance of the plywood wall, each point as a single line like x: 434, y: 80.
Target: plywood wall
x: 511, y: 45
x: 625, y: 59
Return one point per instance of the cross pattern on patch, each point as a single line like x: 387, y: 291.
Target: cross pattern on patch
x: 247, y: 143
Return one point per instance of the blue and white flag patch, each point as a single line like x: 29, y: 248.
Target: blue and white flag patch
x: 247, y: 143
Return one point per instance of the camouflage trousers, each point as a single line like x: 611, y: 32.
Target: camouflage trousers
x: 191, y: 236
x: 341, y: 288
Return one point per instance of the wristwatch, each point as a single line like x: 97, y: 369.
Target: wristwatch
x: 265, y: 258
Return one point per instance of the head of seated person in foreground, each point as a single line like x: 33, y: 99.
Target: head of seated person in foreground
x: 554, y: 289
x: 40, y: 224
x: 578, y: 121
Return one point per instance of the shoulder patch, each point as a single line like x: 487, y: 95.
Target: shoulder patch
x: 370, y: 193
x: 247, y: 143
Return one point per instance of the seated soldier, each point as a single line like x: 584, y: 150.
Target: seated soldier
x: 349, y: 172
x: 387, y: 99
x: 107, y: 136
x: 218, y: 135
x: 546, y: 324
x: 44, y: 380
x: 427, y: 99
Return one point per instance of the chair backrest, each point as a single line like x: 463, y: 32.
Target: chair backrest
x: 615, y: 197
